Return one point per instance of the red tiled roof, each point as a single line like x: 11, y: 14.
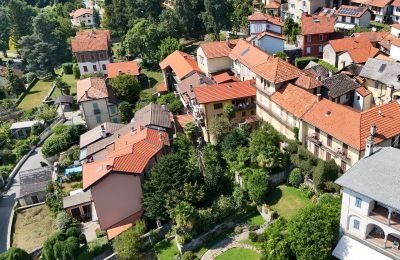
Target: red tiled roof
x: 217, y: 49
x: 307, y: 82
x: 181, y: 63
x: 271, y: 34
x: 372, y: 36
x: 183, y: 120
x: 361, y: 55
x: 396, y: 42
x: 363, y: 91
x: 265, y: 17
x: 80, y: 12
x: 273, y: 5
x: 359, y: 11
x: 317, y: 24
x: 223, y: 77
x: 382, y: 56
x: 396, y: 25
x: 379, y: 3
x: 396, y: 3
x: 125, y: 67
x: 123, y: 225
x: 91, y: 88
x: 130, y: 154
x: 161, y: 87
x: 294, y: 100
x: 225, y: 91
x: 354, y: 128
x: 91, y: 41
x: 248, y: 55
x: 345, y: 44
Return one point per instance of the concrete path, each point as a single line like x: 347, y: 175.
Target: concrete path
x: 8, y: 199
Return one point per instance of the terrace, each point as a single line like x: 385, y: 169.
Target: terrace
x: 391, y: 244
x: 383, y: 215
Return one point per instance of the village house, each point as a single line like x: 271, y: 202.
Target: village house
x: 212, y: 99
x: 154, y: 116
x: 260, y: 22
x: 96, y: 101
x: 396, y: 11
x: 382, y: 79
x: 340, y: 89
x: 349, y: 17
x: 369, y: 219
x: 362, y: 99
x: 295, y: 8
x: 373, y: 37
x: 335, y: 131
x: 176, y: 67
x: 33, y: 184
x: 82, y: 17
x: 124, y: 167
x: 79, y: 205
x: 21, y: 130
x: 385, y: 45
x: 395, y: 42
x: 343, y: 52
x: 316, y: 31
x: 380, y: 9
x: 101, y: 131
x: 213, y: 57
x: 124, y: 67
x: 273, y: 7
x: 92, y: 50
x: 268, y: 41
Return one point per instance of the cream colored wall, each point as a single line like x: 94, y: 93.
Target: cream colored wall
x: 89, y: 116
x: 212, y: 65
x: 353, y: 154
x: 381, y: 93
x: 344, y: 60
x: 242, y: 72
x: 116, y: 197
x: 329, y: 55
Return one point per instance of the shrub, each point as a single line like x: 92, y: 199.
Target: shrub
x: 5, y: 170
x: 281, y: 55
x: 238, y: 230
x: 129, y: 244
x: 14, y: 253
x: 330, y: 186
x: 254, y: 227
x: 253, y: 236
x: 274, y: 214
x: 188, y: 255
x: 33, y: 140
x: 29, y: 77
x: 22, y: 149
x: 295, y: 177
x: 223, y: 207
x: 306, y: 190
x: 324, y: 172
x: 7, y: 157
x: 62, y: 139
x: 67, y: 68
x: 291, y: 147
x: 75, y: 70
x: 302, y: 62
x: 63, y: 220
x: 37, y: 128
x: 327, y: 66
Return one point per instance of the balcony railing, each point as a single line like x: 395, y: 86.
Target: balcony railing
x: 390, y: 246
x: 243, y: 106
x: 275, y: 115
x: 381, y: 214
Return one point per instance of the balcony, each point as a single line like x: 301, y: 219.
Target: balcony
x: 343, y: 154
x: 243, y: 106
x: 389, y: 245
x: 381, y: 214
x: 314, y: 137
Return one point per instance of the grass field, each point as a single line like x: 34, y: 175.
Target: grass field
x: 36, y: 94
x: 166, y: 250
x: 67, y: 187
x: 154, y: 76
x: 32, y: 227
x: 256, y: 220
x: 287, y: 200
x: 238, y: 254
x: 71, y: 81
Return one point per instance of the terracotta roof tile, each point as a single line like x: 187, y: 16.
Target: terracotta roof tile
x: 345, y: 44
x: 271, y: 34
x: 161, y: 87
x: 224, y: 77
x: 91, y: 41
x: 91, y: 89
x: 363, y: 91
x: 265, y: 17
x: 386, y: 42
x: 123, y: 225
x: 379, y: 3
x: 372, y: 36
x: 273, y: 5
x: 317, y: 24
x: 219, y: 49
x: 80, y: 12
x: 248, y: 54
x: 181, y: 63
x: 183, y: 120
x: 294, y: 100
x: 307, y: 82
x: 361, y: 55
x: 225, y: 91
x: 396, y: 3
x: 396, y: 25
x: 125, y: 67
x: 357, y: 11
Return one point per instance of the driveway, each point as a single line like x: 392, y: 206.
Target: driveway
x: 8, y: 199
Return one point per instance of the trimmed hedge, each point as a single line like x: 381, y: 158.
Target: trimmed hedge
x: 302, y: 62
x: 327, y: 66
x: 67, y: 68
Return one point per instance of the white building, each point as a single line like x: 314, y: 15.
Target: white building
x: 349, y: 17
x: 269, y: 42
x: 260, y: 22
x: 395, y: 42
x: 82, y: 16
x: 395, y: 11
x: 296, y: 8
x: 370, y: 214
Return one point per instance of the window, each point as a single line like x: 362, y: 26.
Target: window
x: 358, y: 202
x: 98, y: 119
x: 343, y: 19
x: 94, y: 67
x: 317, y: 131
x: 308, y: 50
x: 321, y: 37
x: 85, y: 69
x: 343, y: 166
x: 309, y: 38
x: 358, y: 97
x: 104, y: 66
x: 82, y: 58
x: 316, y: 150
x: 112, y: 110
x: 329, y: 141
x: 88, y: 21
x: 320, y: 49
x: 356, y: 224
x: 353, y: 20
x: 217, y: 105
x: 201, y: 60
x: 328, y: 156
x: 344, y: 149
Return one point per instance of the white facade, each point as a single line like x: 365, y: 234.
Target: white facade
x: 296, y: 8
x: 396, y: 14
x: 85, y: 19
x: 395, y: 52
x: 209, y: 66
x: 242, y: 72
x: 257, y: 27
x: 359, y: 219
x: 363, y: 21
x: 269, y: 44
x: 93, y: 67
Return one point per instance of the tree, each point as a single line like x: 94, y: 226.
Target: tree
x: 168, y: 46
x: 276, y: 246
x: 241, y: 10
x: 190, y: 130
x: 128, y: 245
x: 96, y: 18
x: 15, y: 253
x: 256, y: 182
x: 143, y: 40
x: 125, y: 112
x: 47, y: 113
x: 291, y: 29
x: 4, y: 31
x: 63, y: 220
x: 229, y: 111
x: 169, y: 24
x: 126, y: 87
x: 169, y: 176
x: 216, y: 16
x: 20, y: 16
x: 324, y: 172
x: 220, y: 126
x: 62, y: 86
x: 235, y: 138
x: 174, y: 105
x: 187, y: 12
x: 15, y: 84
x: 295, y: 177
x: 313, y: 231
x: 76, y: 71
x: 63, y: 245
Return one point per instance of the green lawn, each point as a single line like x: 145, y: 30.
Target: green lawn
x: 256, y: 220
x: 71, y: 81
x: 251, y: 243
x: 239, y: 254
x: 36, y: 95
x: 166, y: 250
x: 154, y: 76
x: 287, y: 200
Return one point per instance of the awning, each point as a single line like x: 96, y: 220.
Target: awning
x: 350, y: 249
x: 344, y: 26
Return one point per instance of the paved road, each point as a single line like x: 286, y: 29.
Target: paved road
x: 8, y: 199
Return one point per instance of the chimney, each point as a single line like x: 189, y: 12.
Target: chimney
x: 103, y: 131
x: 119, y: 71
x: 86, y: 94
x: 274, y: 55
x: 191, y: 88
x: 369, y: 143
x: 330, y: 73
x: 319, y: 97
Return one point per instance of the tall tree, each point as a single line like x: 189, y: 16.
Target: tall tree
x: 126, y: 87
x: 45, y: 48
x: 15, y: 84
x: 187, y: 12
x: 96, y: 17
x: 168, y: 46
x: 20, y: 15
x: 4, y: 32
x: 241, y: 9
x: 216, y: 16
x: 169, y: 24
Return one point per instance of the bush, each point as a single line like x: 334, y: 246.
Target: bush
x: 37, y: 128
x: 188, y: 255
x: 7, y: 157
x: 33, y: 140
x: 5, y: 170
x: 29, y: 77
x: 330, y: 186
x: 306, y: 190
x: 63, y: 220
x: 22, y: 149
x: 62, y: 139
x: 254, y: 227
x: 67, y: 68
x: 253, y: 236
x: 301, y: 62
x: 75, y: 70
x: 14, y: 253
x: 281, y: 55
x: 100, y: 233
x: 324, y: 172
x: 292, y: 147
x: 238, y: 230
x: 295, y: 177
x: 274, y: 214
